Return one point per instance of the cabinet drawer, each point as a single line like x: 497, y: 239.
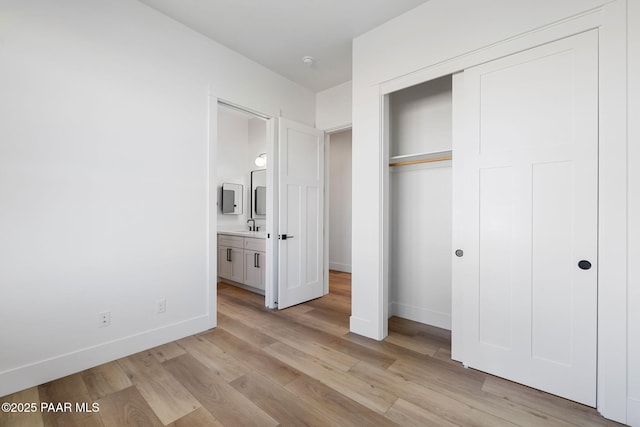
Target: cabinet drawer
x: 255, y: 244
x: 233, y: 241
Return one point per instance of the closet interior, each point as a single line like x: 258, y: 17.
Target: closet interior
x: 420, y: 198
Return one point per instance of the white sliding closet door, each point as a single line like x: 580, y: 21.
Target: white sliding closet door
x: 525, y: 203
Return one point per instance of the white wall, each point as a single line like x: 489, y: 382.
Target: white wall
x: 104, y: 147
x: 241, y: 139
x: 333, y: 108
x: 420, y: 243
x: 425, y: 39
x: 340, y: 201
x: 633, y: 113
x: 421, y: 118
x: 232, y: 164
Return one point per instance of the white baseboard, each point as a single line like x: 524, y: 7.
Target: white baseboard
x: 340, y: 267
x: 422, y: 315
x: 66, y: 364
x: 633, y: 412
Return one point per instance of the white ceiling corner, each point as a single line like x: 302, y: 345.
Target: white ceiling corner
x: 278, y: 33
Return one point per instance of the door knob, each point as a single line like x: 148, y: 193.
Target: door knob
x: 459, y: 253
x: 584, y: 264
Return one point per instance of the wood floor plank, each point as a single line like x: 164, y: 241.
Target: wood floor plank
x: 213, y: 357
x: 327, y: 354
x: 167, y: 351
x: 169, y: 399
x: 299, y: 309
x: 444, y: 355
x: 409, y: 327
x: 371, y: 397
x: 68, y: 390
x: 303, y: 331
x: 333, y: 302
x: 537, y: 400
x: 241, y: 297
x: 281, y: 404
x: 435, y: 372
x: 329, y: 316
x: 436, y: 337
x: 342, y: 410
x: 224, y: 402
x: 105, y: 379
x: 253, y: 357
x: 305, y: 340
x: 361, y: 353
x: 439, y: 405
x: 198, y: 418
x: 409, y: 415
x: 23, y: 418
x: 248, y: 333
x: 236, y: 308
x: 468, y: 394
x: 414, y: 343
x: 127, y: 408
x: 307, y: 319
x: 384, y: 347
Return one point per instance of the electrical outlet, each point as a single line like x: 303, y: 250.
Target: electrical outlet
x: 161, y: 306
x: 104, y: 319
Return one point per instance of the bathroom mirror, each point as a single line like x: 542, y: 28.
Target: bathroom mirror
x: 259, y: 193
x: 231, y: 198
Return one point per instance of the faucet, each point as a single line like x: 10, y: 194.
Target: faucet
x: 253, y: 221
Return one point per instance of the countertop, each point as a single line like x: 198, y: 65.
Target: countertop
x: 245, y: 233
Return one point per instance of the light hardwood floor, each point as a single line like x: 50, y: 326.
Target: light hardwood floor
x: 299, y: 366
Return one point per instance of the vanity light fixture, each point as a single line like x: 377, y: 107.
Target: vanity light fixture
x: 261, y: 160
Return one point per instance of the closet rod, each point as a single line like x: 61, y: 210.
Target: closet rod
x: 415, y: 162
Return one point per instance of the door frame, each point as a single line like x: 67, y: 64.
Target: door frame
x: 212, y: 212
x: 610, y: 21
x: 328, y: 133
x: 271, y: 270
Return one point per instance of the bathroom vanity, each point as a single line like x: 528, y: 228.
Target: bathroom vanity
x: 242, y: 259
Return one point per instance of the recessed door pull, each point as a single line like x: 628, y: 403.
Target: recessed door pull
x: 459, y: 253
x: 584, y: 264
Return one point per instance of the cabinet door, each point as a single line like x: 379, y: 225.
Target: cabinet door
x: 230, y: 263
x: 254, y: 262
x: 526, y: 214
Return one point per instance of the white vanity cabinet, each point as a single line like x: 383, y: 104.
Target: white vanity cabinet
x: 254, y: 262
x: 231, y: 257
x: 242, y: 260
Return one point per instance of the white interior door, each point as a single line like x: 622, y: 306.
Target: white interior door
x: 527, y: 164
x: 301, y: 213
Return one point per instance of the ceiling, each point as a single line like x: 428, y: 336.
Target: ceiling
x: 278, y: 33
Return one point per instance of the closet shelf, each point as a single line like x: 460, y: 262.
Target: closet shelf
x: 414, y: 159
